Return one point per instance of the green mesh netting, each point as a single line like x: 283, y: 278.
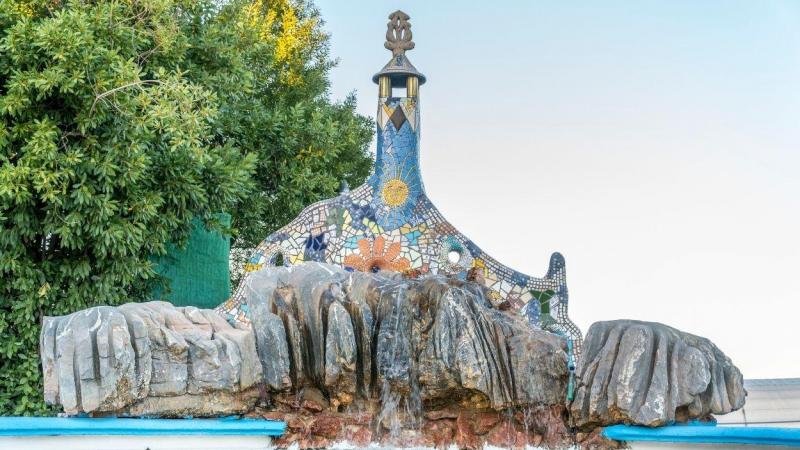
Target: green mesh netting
x: 199, y: 274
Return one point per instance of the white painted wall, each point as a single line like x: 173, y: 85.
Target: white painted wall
x: 770, y: 403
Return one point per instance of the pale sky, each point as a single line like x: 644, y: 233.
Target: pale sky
x: 655, y: 144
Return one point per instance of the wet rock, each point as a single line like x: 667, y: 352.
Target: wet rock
x: 313, y: 400
x: 508, y: 434
x: 485, y: 421
x: 440, y: 432
x: 327, y: 426
x: 470, y: 347
x: 360, y: 418
x: 294, y: 423
x: 650, y: 374
x: 269, y: 415
x: 434, y: 340
x: 312, y: 406
x: 316, y: 329
x: 466, y: 439
x: 357, y: 435
x: 465, y: 435
x: 288, y: 439
x: 441, y: 414
x: 340, y: 356
x: 284, y: 306
x: 394, y: 315
x: 315, y: 441
x: 273, y: 348
x: 594, y: 440
x: 547, y: 422
x: 363, y: 324
x: 343, y: 355
x: 502, y: 429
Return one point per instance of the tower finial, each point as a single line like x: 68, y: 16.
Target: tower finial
x: 398, y: 71
x: 398, y: 33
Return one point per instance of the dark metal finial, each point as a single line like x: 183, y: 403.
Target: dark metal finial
x: 398, y: 33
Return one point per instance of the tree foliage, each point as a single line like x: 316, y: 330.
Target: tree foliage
x: 272, y: 83
x: 121, y: 121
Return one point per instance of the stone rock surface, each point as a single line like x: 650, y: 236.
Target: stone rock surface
x: 340, y: 355
x: 353, y: 337
x: 651, y: 374
x: 380, y: 358
x: 539, y: 427
x: 428, y: 342
x: 149, y: 358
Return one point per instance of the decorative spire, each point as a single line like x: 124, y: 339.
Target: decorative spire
x: 398, y: 40
x: 398, y: 33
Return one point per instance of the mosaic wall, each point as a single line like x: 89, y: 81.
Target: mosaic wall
x: 388, y: 223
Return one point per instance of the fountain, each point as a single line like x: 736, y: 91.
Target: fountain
x: 369, y: 318
x: 347, y: 355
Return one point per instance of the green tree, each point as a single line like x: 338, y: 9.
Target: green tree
x: 121, y: 121
x: 268, y: 63
x: 107, y: 152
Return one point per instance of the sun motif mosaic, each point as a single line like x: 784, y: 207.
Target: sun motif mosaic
x: 394, y: 192
x: 389, y: 223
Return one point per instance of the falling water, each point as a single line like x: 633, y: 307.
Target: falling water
x: 400, y: 407
x: 393, y: 348
x: 348, y: 446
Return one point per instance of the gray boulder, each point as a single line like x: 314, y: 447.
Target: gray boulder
x: 148, y: 358
x: 90, y: 360
x: 471, y: 348
x: 340, y: 356
x: 650, y: 374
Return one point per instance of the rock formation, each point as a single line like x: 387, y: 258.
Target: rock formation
x: 650, y: 374
x: 365, y: 357
x: 149, y: 359
x: 352, y: 336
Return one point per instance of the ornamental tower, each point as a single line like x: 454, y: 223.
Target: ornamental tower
x: 389, y: 223
x: 397, y: 177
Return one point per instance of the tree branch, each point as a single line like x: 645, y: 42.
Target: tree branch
x: 105, y: 94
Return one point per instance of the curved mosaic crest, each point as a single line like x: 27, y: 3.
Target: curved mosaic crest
x: 389, y: 223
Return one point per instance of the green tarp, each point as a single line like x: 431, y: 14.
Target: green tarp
x: 199, y: 274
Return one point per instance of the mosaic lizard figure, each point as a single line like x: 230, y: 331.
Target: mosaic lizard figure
x: 390, y: 224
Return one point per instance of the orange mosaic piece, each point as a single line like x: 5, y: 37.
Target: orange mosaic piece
x: 371, y: 257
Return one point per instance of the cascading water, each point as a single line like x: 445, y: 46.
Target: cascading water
x: 341, y: 355
x: 366, y: 358
x: 397, y: 349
